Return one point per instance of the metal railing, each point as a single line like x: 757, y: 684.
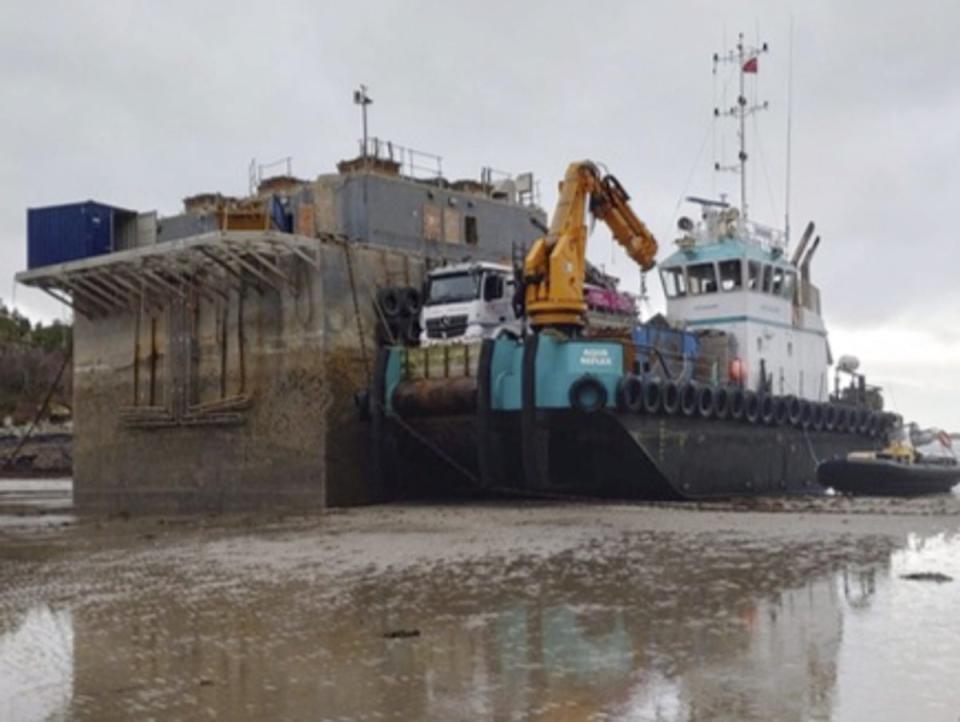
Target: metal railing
x: 413, y: 163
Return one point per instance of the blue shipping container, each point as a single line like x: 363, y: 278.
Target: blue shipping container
x: 56, y: 234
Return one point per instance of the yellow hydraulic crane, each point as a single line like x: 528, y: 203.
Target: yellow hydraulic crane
x: 555, y: 267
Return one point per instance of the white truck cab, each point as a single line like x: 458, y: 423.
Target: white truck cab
x: 468, y: 302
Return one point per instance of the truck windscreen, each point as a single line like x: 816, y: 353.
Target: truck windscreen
x: 454, y: 288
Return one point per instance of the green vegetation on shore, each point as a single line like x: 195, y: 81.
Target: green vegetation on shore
x: 31, y: 354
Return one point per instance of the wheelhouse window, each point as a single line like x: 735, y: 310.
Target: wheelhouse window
x: 731, y: 275
x: 702, y: 278
x: 753, y: 275
x: 767, y: 278
x: 674, y: 282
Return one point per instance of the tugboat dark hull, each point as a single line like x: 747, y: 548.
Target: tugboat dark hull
x: 880, y: 477
x: 565, y: 419
x: 608, y: 455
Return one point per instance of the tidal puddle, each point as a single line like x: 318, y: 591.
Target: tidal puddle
x: 488, y: 613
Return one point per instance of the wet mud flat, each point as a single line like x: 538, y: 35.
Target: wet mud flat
x: 831, y: 609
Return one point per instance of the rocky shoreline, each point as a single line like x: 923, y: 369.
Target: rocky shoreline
x: 47, y: 453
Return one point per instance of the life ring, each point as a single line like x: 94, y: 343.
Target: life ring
x: 706, y: 402
x: 689, y: 393
x: 587, y: 394
x: 630, y: 394
x: 670, y: 394
x: 751, y: 407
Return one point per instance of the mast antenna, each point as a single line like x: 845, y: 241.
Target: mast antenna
x: 746, y: 57
x: 786, y: 216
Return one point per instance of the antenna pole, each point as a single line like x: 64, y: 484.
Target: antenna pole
x: 786, y: 219
x: 742, y: 103
x: 746, y: 58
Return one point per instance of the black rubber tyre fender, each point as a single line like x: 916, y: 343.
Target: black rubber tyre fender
x: 706, y: 402
x: 751, y: 407
x: 780, y: 414
x: 806, y: 414
x: 652, y: 397
x: 817, y: 412
x: 389, y: 302
x: 829, y: 417
x: 411, y: 333
x: 630, y: 394
x: 736, y: 404
x: 793, y: 409
x: 853, y: 421
x: 670, y: 401
x: 689, y: 395
x: 843, y: 416
x: 410, y: 301
x: 768, y: 409
x: 874, y: 425
x: 864, y: 426
x: 587, y: 395
x: 721, y: 399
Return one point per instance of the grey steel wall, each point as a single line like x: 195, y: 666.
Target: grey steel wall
x: 390, y: 211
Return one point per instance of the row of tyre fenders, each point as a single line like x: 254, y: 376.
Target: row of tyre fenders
x: 693, y: 400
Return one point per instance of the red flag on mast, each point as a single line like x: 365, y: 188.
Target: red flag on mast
x: 751, y: 65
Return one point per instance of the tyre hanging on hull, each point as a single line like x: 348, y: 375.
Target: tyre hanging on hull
x: 652, y: 397
x: 587, y: 395
x: 630, y: 394
x: 670, y: 397
x: 706, y: 402
x: 688, y: 398
x: 751, y: 407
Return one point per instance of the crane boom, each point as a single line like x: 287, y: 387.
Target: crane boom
x: 555, y: 267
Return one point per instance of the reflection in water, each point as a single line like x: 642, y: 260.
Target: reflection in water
x: 906, y: 640
x: 634, y: 625
x: 36, y: 666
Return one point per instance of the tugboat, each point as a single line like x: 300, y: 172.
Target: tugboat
x: 898, y: 470
x: 726, y: 395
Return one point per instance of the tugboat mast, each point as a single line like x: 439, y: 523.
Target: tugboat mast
x: 746, y: 58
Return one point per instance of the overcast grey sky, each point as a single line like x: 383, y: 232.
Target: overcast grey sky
x: 139, y: 104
